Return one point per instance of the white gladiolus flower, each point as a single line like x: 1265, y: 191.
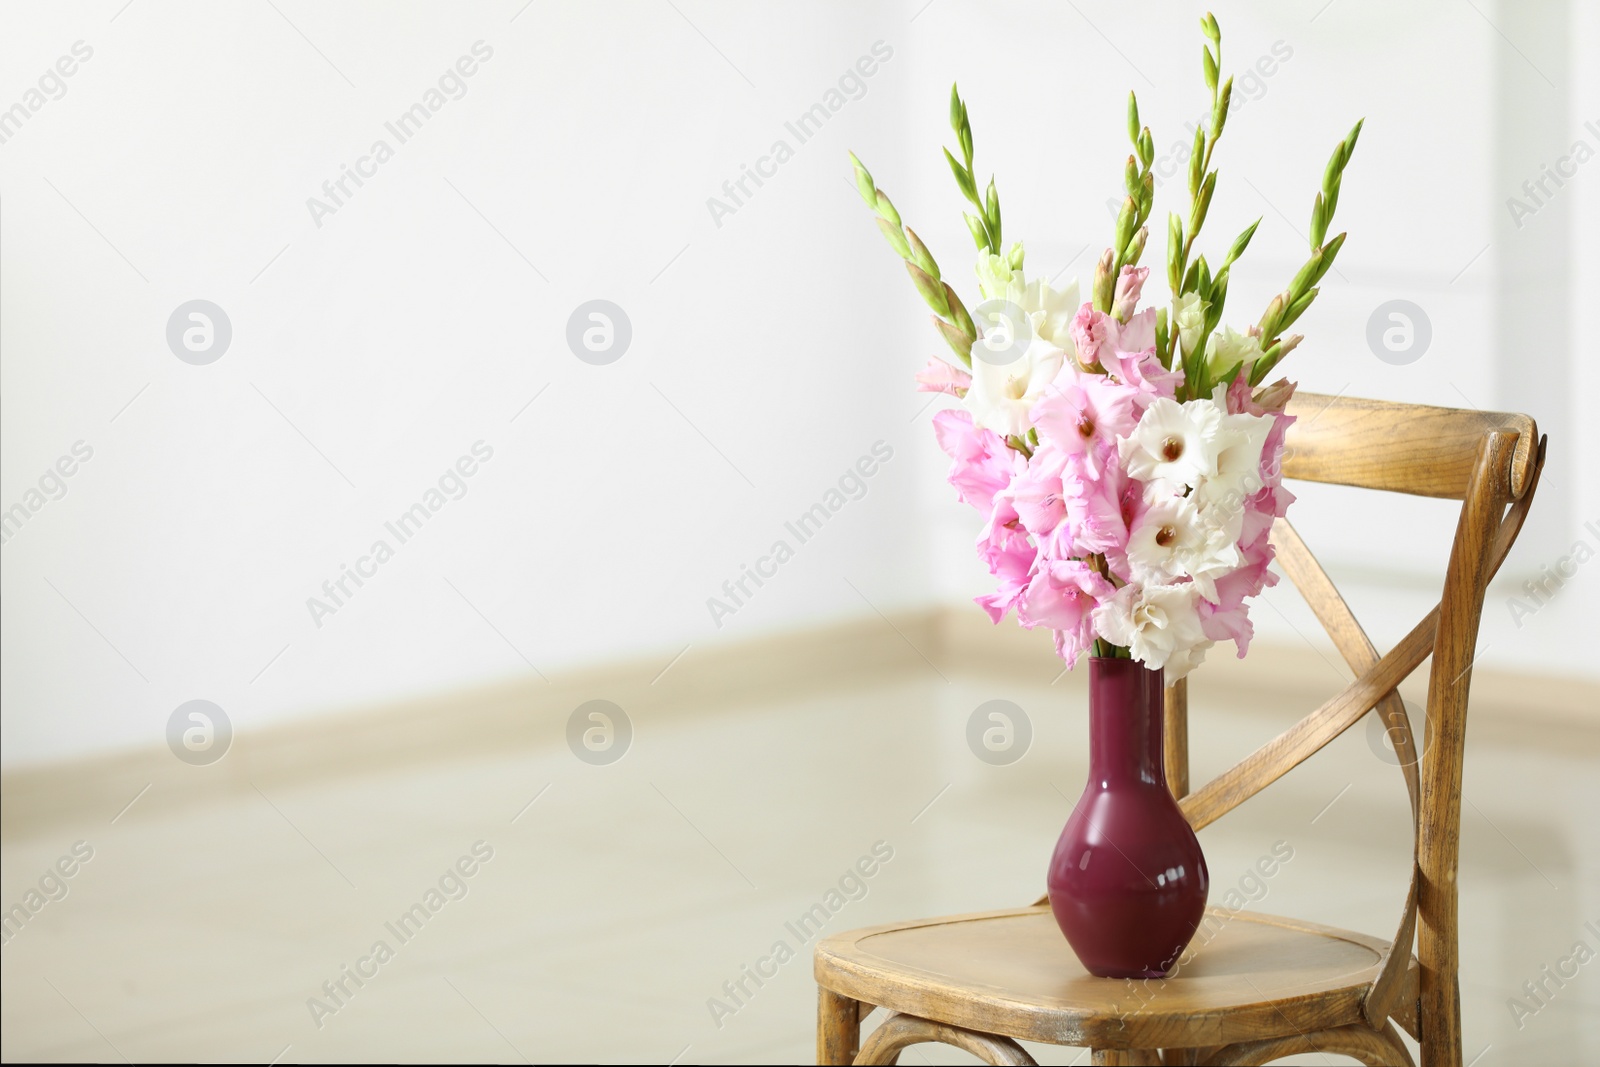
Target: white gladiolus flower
x: 995, y: 276
x: 1176, y: 443
x: 1164, y: 538
x: 1049, y: 311
x: 1159, y: 625
x: 1229, y: 349
x: 1221, y: 496
x: 1022, y: 346
x: 1002, y: 393
x: 1174, y: 539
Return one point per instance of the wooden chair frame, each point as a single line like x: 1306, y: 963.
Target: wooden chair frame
x: 1490, y: 462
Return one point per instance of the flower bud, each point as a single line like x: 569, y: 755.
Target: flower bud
x: 980, y: 236
x: 896, y: 239
x: 1104, y: 279
x: 932, y: 291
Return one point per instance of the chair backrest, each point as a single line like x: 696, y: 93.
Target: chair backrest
x: 1490, y: 462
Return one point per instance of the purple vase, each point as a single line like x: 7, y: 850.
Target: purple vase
x: 1128, y: 880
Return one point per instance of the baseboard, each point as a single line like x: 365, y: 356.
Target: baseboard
x: 526, y: 713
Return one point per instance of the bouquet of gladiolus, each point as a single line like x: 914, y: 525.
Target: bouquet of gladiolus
x: 1126, y: 460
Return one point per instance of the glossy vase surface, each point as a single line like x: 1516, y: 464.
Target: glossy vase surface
x: 1128, y: 880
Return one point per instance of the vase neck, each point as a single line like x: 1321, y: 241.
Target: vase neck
x: 1125, y: 720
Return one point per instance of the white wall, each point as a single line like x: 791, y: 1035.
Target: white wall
x: 769, y: 352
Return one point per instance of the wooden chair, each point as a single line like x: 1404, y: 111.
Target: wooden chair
x: 1254, y: 987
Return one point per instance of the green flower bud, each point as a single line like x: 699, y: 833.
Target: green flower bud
x: 1135, y: 248
x: 1241, y: 243
x: 980, y: 235
x: 964, y: 180
x: 864, y: 185
x: 958, y: 312
x: 960, y: 343
x: 895, y: 238
x: 1269, y: 318
x: 932, y: 290
x: 921, y: 255
x: 1219, y: 117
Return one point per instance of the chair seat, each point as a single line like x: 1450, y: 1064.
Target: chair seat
x: 1011, y: 972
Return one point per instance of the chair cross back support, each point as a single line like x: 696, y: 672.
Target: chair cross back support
x: 1491, y: 463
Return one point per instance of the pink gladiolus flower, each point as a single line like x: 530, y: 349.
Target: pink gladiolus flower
x: 941, y: 377
x: 984, y: 464
x: 1090, y: 330
x: 1126, y: 297
x: 1138, y: 334
x: 1101, y: 503
x: 1063, y: 595
x: 1084, y: 414
x: 1010, y: 557
x: 1242, y: 400
x: 1143, y: 372
x: 1035, y: 494
x: 1228, y: 618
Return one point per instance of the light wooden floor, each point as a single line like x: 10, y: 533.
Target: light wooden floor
x: 617, y: 905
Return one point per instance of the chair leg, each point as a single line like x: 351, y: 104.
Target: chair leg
x: 838, y: 1027
x: 1441, y: 1021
